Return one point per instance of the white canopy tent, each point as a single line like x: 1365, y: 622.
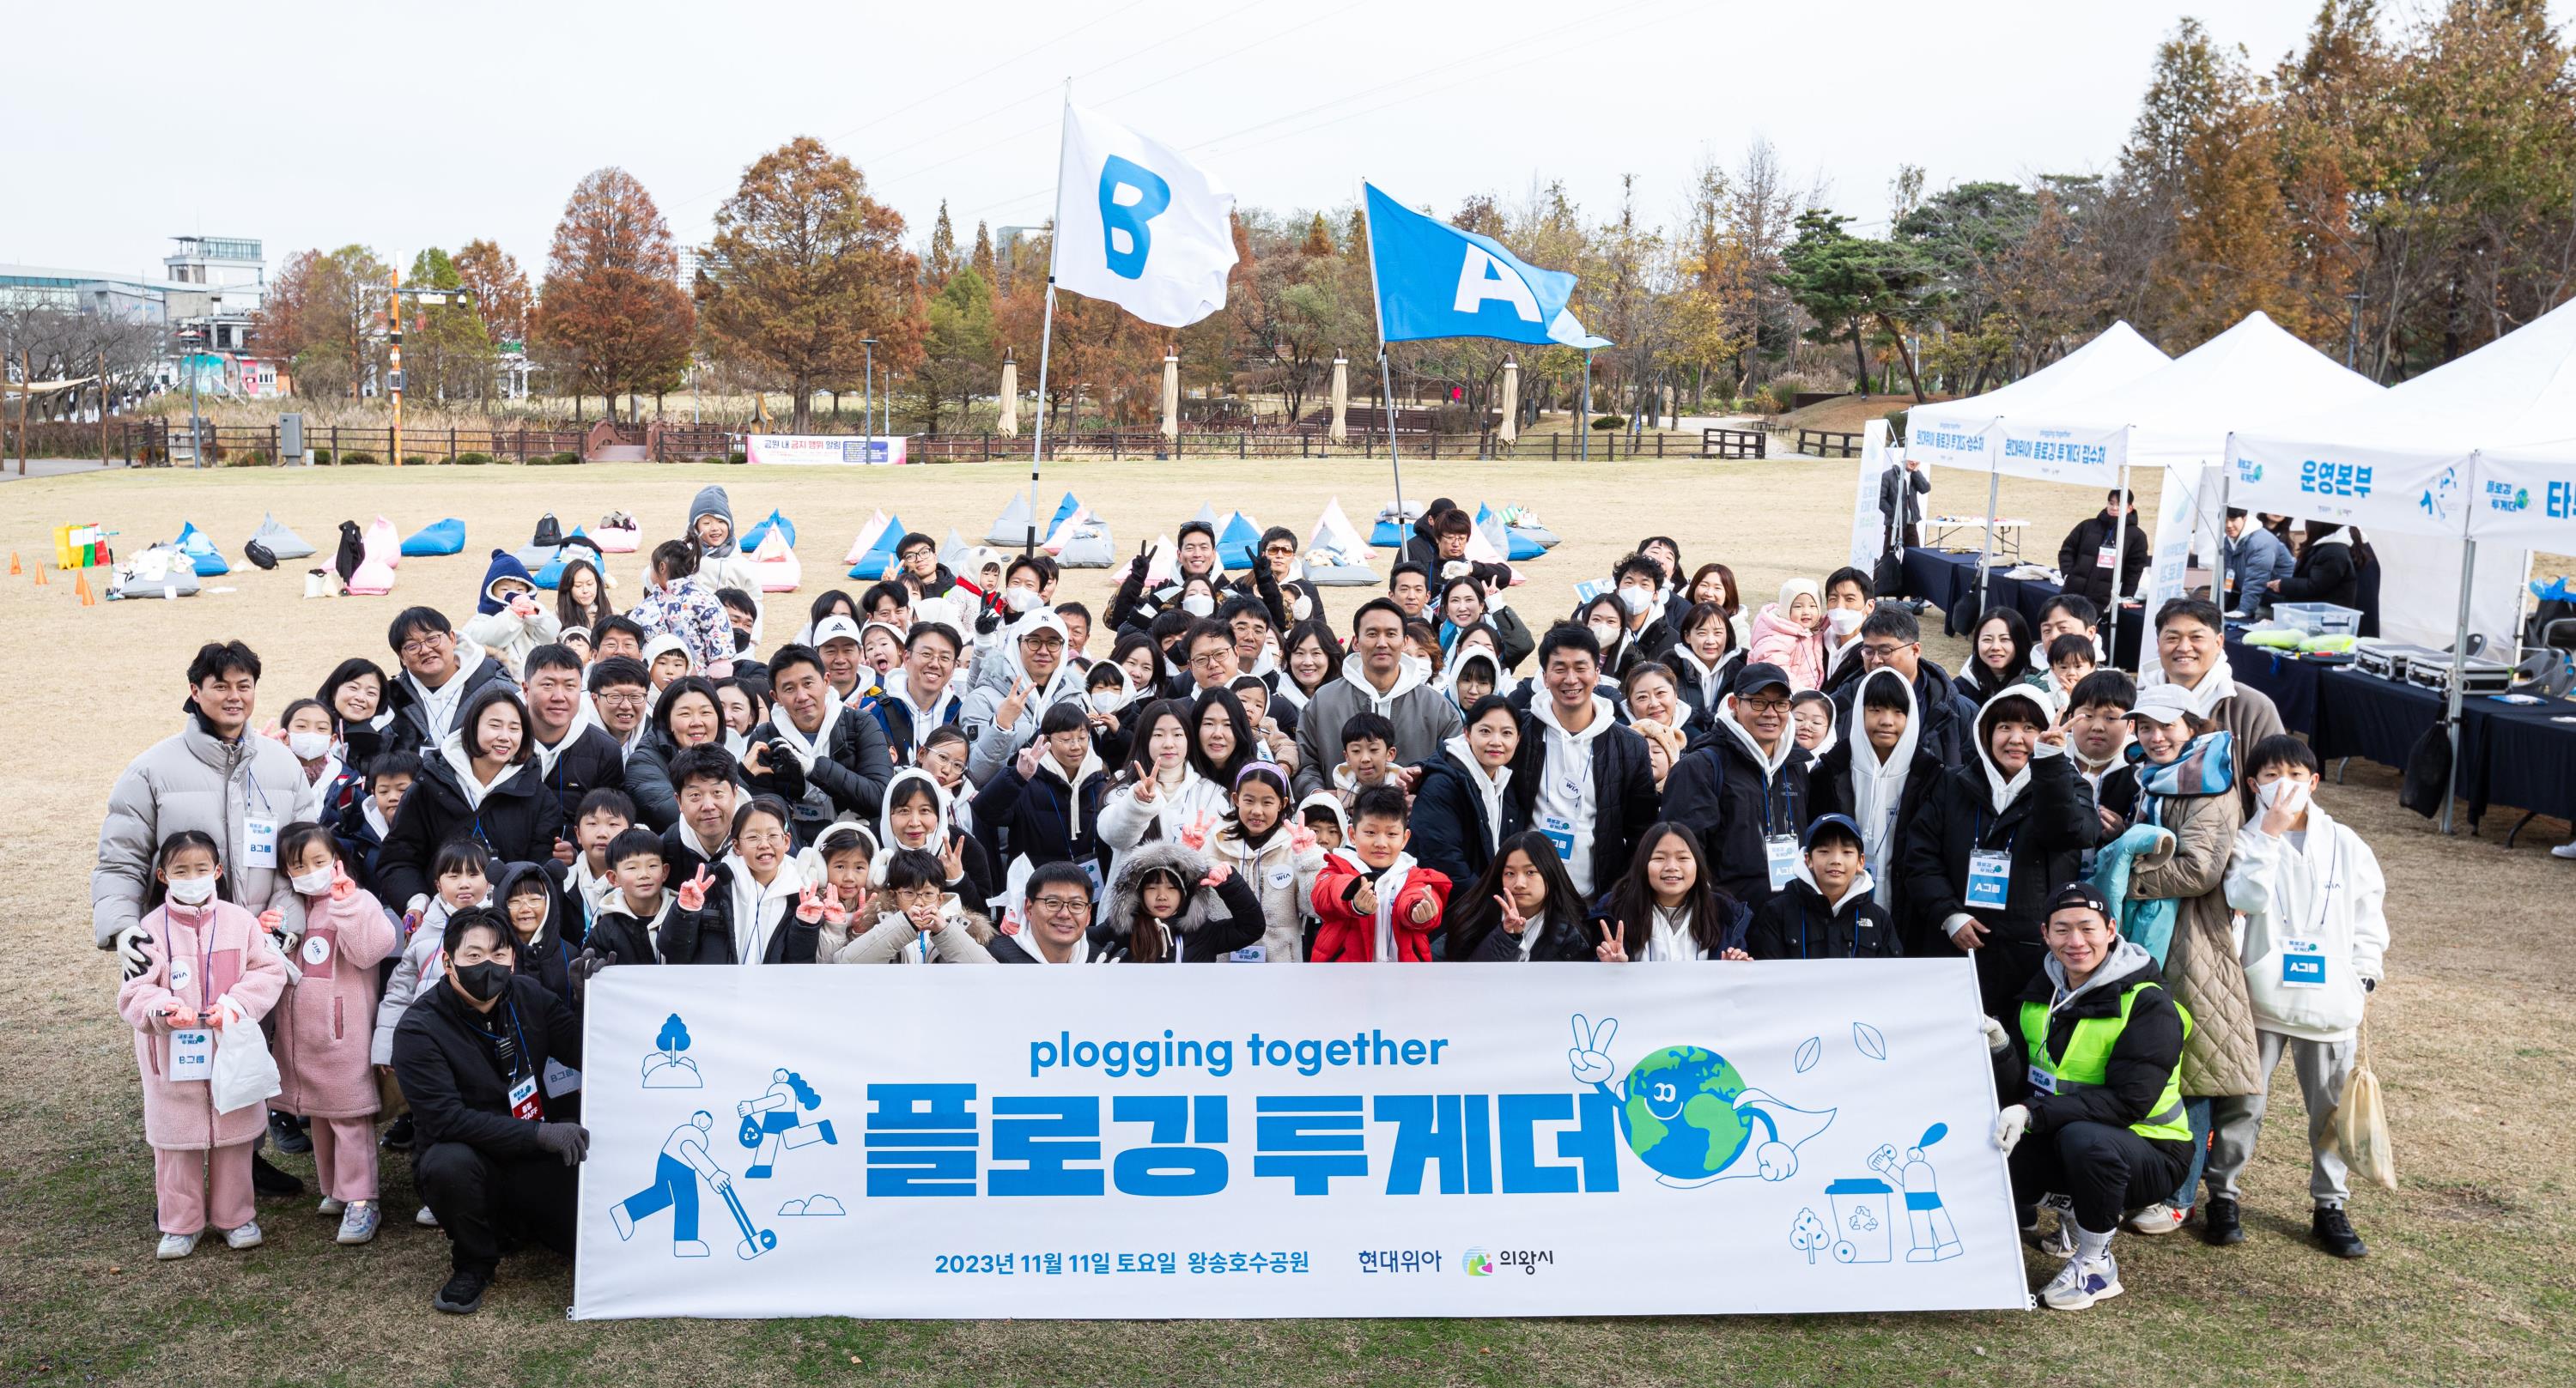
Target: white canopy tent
x: 2478, y: 450
x: 2176, y: 419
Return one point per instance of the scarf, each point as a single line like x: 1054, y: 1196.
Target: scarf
x: 809, y: 750
x: 2207, y: 766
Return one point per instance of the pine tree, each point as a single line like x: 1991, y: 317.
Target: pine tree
x: 943, y: 249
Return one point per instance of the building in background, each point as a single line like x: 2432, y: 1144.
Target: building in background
x: 208, y: 292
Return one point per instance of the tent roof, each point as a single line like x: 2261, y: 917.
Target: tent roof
x: 2117, y: 356
x: 2180, y: 414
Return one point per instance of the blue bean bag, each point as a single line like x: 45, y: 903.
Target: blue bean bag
x: 438, y: 537
x: 1236, y: 544
x: 575, y: 546
x: 874, y: 564
x: 201, y: 551
x: 751, y: 539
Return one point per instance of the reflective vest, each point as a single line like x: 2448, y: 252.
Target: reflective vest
x: 2086, y: 1063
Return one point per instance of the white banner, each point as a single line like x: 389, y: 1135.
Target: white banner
x: 837, y: 450
x: 1038, y: 1142
x: 2090, y: 455
x: 1869, y: 525
x: 2380, y: 490
x: 2187, y: 505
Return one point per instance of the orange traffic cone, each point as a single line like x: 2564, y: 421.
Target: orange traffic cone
x: 80, y: 586
x: 13, y: 564
x: 40, y: 576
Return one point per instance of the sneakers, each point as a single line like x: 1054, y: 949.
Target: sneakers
x: 247, y: 1236
x: 2081, y: 1283
x: 175, y: 1246
x: 267, y: 1180
x: 2564, y: 850
x: 425, y: 1219
x: 287, y: 1131
x: 2220, y: 1224
x: 397, y: 1136
x: 463, y: 1294
x: 358, y: 1222
x: 2060, y: 1242
x: 2333, y: 1230
x: 331, y: 1205
x: 2159, y: 1218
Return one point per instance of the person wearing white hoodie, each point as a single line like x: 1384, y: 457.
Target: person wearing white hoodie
x: 922, y: 693
x: 1877, y: 774
x: 1001, y: 719
x: 574, y: 754
x: 2315, y: 944
x: 1581, y: 777
x: 1376, y: 678
x: 483, y: 784
x: 1161, y: 794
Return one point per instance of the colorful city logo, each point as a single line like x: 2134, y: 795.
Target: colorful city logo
x: 1479, y: 1263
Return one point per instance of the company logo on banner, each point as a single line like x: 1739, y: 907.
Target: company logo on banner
x: 1265, y: 1142
x: 819, y: 450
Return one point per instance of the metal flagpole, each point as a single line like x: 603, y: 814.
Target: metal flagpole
x: 2459, y: 672
x: 1046, y: 334
x: 1583, y: 426
x: 1385, y: 372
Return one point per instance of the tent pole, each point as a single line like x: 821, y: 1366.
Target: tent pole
x: 1037, y: 449
x: 2459, y: 662
x: 2120, y: 558
x: 1986, y: 542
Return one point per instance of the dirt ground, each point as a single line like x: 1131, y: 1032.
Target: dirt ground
x: 2469, y: 1280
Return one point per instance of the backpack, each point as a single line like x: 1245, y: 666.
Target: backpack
x: 549, y: 531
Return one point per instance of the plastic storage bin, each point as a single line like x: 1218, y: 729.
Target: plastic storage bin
x: 2318, y: 618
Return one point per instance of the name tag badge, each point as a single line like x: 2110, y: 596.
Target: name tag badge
x: 1989, y: 879
x: 1559, y: 831
x: 1282, y: 878
x: 1091, y: 869
x: 192, y: 1054
x: 1780, y: 854
x: 259, y: 842
x: 180, y: 974
x: 561, y: 1079
x: 2106, y: 558
x: 2303, y: 963
x: 524, y: 1102
x: 316, y: 953
x: 1251, y: 954
x: 2042, y: 1081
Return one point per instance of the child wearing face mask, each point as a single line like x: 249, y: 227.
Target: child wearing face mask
x: 461, y: 872
x: 210, y: 969
x: 326, y: 1022
x: 306, y: 731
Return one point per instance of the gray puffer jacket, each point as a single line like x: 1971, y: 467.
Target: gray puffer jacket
x: 194, y: 780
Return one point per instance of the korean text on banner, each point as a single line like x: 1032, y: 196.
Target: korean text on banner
x: 1113, y: 1142
x: 833, y: 450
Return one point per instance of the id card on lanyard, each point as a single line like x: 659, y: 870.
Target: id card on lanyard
x: 2303, y: 963
x: 1780, y: 855
x: 1989, y: 878
x: 259, y: 831
x: 192, y: 1054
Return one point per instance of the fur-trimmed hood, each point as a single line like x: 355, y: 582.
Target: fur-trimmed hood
x: 1199, y: 904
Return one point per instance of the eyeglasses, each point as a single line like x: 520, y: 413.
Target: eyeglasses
x: 1044, y: 641
x: 622, y: 700
x: 1765, y: 705
x: 1060, y: 905
x: 1886, y: 652
x: 423, y: 645
x: 1209, y: 660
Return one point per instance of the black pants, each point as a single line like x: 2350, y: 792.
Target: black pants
x: 2106, y: 1171
x: 480, y: 1198
x: 2005, y: 963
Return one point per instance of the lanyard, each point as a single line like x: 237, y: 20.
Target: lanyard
x: 1977, y: 832
x: 520, y: 1037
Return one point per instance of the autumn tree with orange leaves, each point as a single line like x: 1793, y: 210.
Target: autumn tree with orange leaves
x: 611, y: 318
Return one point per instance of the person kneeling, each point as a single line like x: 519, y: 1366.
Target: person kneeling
x: 2098, y: 1065
x: 475, y: 1055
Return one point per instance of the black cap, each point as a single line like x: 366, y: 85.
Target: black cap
x: 1837, y: 823
x: 2080, y: 893
x: 1761, y: 675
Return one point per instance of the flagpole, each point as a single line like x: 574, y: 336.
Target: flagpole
x: 1046, y: 334
x: 1385, y: 372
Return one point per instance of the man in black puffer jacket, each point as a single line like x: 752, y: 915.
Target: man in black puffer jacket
x: 2086, y: 556
x: 1743, y: 788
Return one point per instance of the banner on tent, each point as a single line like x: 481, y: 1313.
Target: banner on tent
x: 1941, y: 440
x: 2089, y: 455
x: 807, y: 450
x: 2378, y: 490
x: 2182, y: 508
x: 1869, y: 524
x: 2528, y: 502
x: 1117, y: 1142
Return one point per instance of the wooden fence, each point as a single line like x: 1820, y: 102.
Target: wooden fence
x: 1734, y: 443
x: 1825, y: 443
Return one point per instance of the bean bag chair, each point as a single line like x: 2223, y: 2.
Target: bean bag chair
x: 1082, y: 542
x: 577, y: 545
x: 1500, y: 536
x: 1394, y: 526
x: 879, y: 560
x: 760, y: 531
x: 1208, y: 517
x: 1521, y: 520
x: 952, y: 551
x: 200, y: 550
x: 282, y: 543
x: 774, y: 559
x: 618, y: 533
x: 438, y: 537
x: 1238, y: 542
x: 379, y: 550
x: 1012, y: 526
x: 159, y: 571
x: 869, y: 534
x: 1063, y: 512
x: 1335, y: 557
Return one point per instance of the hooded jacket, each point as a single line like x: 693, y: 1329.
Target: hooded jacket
x: 1282, y: 875
x: 515, y: 818
x: 992, y: 745
x: 979, y: 884
x: 505, y: 634
x: 1343, y: 934
x: 194, y: 780
x: 2144, y: 1057
x: 886, y: 935
x: 1460, y: 813
x: 197, y: 958
x: 327, y: 1015
x: 2326, y: 890
x: 2194, y: 798
x: 842, y: 769
x: 1734, y: 797
x: 1213, y: 923
x: 1424, y: 719
x: 1623, y: 799
x: 742, y: 922
x: 2253, y: 561
x: 546, y: 956
x: 2042, y: 817
x: 1194, y: 805
x: 1797, y: 923
x: 412, y: 730
x: 724, y: 565
x: 2325, y: 572
x: 2080, y: 557
x: 905, y: 722
x: 625, y: 937
x: 1880, y: 794
x: 1948, y: 718
x: 1777, y: 640
x: 1703, y: 688
x: 584, y: 759
x: 1046, y: 818
x: 453, y: 1079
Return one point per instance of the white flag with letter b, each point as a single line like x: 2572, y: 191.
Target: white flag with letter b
x: 1138, y: 225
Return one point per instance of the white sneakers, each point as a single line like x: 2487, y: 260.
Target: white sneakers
x: 2159, y: 1218
x: 425, y: 1219
x: 247, y: 1236
x: 175, y: 1246
x: 2564, y: 850
x: 2082, y: 1282
x: 331, y: 1205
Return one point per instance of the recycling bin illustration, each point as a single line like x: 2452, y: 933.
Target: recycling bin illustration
x: 1861, y: 1213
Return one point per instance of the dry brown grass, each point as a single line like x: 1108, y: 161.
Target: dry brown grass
x: 2470, y: 1280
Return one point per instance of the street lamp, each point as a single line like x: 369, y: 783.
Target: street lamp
x: 867, y: 399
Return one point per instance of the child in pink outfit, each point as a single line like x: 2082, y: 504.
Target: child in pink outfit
x: 1790, y: 633
x: 326, y: 1021
x: 209, y: 970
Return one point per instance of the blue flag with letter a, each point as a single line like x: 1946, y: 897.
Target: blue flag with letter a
x: 1434, y: 280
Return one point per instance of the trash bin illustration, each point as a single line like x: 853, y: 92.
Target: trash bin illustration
x: 1861, y: 1208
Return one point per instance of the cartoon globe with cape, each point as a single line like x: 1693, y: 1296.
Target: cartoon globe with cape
x: 1689, y: 1116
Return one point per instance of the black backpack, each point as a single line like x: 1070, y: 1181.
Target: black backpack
x: 549, y: 530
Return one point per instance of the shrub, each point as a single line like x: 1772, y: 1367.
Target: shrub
x: 1610, y: 421
x: 738, y: 457
x: 471, y: 459
x: 359, y: 459
x: 248, y: 457
x: 322, y: 457
x: 415, y: 460
x: 554, y: 459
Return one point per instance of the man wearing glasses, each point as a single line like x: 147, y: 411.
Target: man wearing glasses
x: 1891, y: 639
x: 1298, y: 599
x: 1743, y: 789
x: 619, y: 690
x: 440, y: 674
x: 1057, y: 920
x: 1209, y: 648
x: 1002, y: 717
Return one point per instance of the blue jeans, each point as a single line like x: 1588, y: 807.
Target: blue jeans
x: 2196, y: 1111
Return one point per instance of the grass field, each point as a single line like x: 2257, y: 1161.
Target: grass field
x: 2471, y: 1278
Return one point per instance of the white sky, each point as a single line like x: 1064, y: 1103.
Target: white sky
x: 403, y: 126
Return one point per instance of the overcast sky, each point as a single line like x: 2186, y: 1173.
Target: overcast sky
x: 404, y: 126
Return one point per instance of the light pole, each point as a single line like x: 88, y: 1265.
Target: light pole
x: 2352, y: 348
x: 868, y: 400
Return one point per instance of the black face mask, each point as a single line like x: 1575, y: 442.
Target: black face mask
x: 483, y: 982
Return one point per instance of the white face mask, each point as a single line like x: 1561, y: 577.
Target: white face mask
x: 312, y: 883
x: 1019, y: 599
x: 1636, y: 600
x: 1198, y: 604
x: 1843, y: 621
x: 1108, y: 700
x: 308, y: 746
x: 1606, y: 634
x: 192, y: 891
x: 2275, y: 795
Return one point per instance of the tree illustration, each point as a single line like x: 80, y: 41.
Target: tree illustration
x: 675, y: 1035
x: 1809, y: 1234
